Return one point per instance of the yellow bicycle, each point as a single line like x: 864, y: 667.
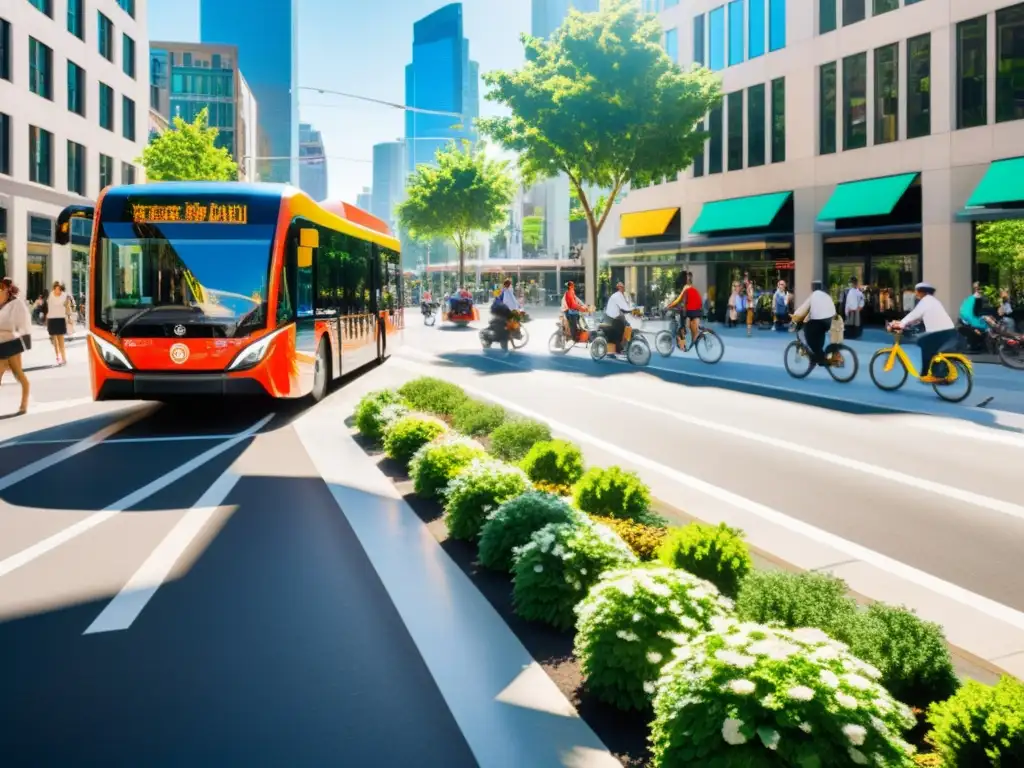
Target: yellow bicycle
x: 948, y: 368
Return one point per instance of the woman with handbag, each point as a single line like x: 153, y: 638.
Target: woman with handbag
x: 15, y: 336
x: 57, y: 321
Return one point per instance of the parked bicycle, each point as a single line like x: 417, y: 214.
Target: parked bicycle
x: 709, y: 345
x: 951, y: 368
x: 842, y: 363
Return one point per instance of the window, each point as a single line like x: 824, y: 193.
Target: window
x: 971, y: 99
x: 855, y: 101
x: 5, y: 49
x: 40, y: 156
x: 698, y: 40
x: 106, y: 107
x: 887, y: 93
x: 128, y: 6
x: 105, y: 33
x: 884, y: 6
x: 776, y: 25
x: 755, y: 125
x: 698, y: 160
x: 128, y: 55
x: 756, y: 32
x: 1010, y: 64
x: 76, y: 168
x: 779, y: 120
x: 127, y: 173
x: 671, y: 45
x: 919, y: 95
x: 736, y: 32
x: 828, y: 107
x: 46, y: 6
x: 734, y: 145
x: 716, y: 39
x: 826, y: 16
x: 106, y: 171
x: 5, y: 144
x: 40, y: 69
x: 128, y: 118
x: 853, y: 11
x: 715, y: 143
x: 76, y: 89
x: 76, y: 18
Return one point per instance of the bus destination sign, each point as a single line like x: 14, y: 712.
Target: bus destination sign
x: 190, y: 213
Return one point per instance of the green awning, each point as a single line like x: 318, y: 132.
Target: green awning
x: 869, y: 197
x: 751, y: 212
x: 1002, y: 183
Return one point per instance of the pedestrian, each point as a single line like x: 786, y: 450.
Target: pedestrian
x: 735, y: 306
x: 56, y: 320
x: 780, y: 306
x: 15, y: 336
x: 750, y: 293
x: 72, y: 311
x: 1006, y: 311
x: 853, y: 306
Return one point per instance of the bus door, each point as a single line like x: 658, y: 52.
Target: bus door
x: 357, y: 285
x: 305, y: 244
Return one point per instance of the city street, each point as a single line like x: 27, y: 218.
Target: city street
x: 235, y: 583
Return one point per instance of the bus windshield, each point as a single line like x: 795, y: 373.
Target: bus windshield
x: 182, y: 280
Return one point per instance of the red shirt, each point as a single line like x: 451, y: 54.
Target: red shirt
x: 692, y: 298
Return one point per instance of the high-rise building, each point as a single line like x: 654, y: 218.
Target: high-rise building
x: 547, y: 15
x: 312, y: 162
x: 186, y: 78
x: 265, y: 32
x: 388, y: 180
x: 364, y: 199
x: 441, y: 77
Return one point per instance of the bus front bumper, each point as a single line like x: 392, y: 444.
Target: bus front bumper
x: 143, y: 386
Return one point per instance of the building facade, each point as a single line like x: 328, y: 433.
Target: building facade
x: 388, y: 180
x: 265, y: 33
x: 851, y: 142
x: 364, y: 199
x: 74, y: 95
x: 186, y: 78
x: 312, y: 162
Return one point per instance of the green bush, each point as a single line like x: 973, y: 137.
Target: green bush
x: 373, y: 412
x: 404, y: 437
x: 554, y: 461
x: 477, y: 418
x: 798, y: 600
x: 980, y: 725
x: 513, y: 439
x: 433, y: 395
x: 716, y: 553
x: 613, y: 492
x: 515, y: 521
x: 911, y: 654
x: 476, y: 491
x: 629, y: 623
x: 643, y: 539
x: 559, y: 565
x: 435, y: 465
x: 750, y: 695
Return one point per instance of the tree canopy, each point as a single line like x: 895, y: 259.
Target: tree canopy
x: 1001, y: 245
x: 603, y: 103
x: 463, y: 194
x: 187, y: 152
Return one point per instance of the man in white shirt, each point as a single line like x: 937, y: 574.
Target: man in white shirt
x: 854, y: 304
x: 939, y: 328
x: 616, y: 310
x: 817, y: 313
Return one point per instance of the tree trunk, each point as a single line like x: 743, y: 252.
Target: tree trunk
x: 591, y: 291
x: 462, y: 264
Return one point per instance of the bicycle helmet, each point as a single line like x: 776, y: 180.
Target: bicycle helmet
x: 925, y: 288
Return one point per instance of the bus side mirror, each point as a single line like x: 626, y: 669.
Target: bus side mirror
x: 62, y: 235
x: 309, y: 237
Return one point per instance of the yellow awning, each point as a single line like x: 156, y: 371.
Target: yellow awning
x: 646, y: 223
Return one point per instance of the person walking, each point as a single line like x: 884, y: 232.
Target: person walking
x: 71, y: 311
x: 853, y: 306
x: 15, y: 336
x: 57, y: 320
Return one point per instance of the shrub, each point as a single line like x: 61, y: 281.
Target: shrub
x: 515, y: 521
x: 371, y: 408
x: 408, y: 434
x: 797, y: 600
x: 513, y: 439
x: 476, y: 418
x: 980, y: 725
x: 911, y: 653
x: 643, y: 539
x: 716, y: 553
x: 554, y: 461
x: 613, y: 492
x: 556, y: 569
x: 562, y: 491
x: 629, y: 623
x: 478, y: 490
x: 434, y: 465
x: 746, y: 694
x: 433, y: 395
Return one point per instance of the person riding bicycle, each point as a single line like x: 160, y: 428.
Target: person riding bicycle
x: 816, y: 313
x: 425, y: 301
x: 939, y: 328
x: 691, y: 304
x: 616, y: 310
x: 571, y: 308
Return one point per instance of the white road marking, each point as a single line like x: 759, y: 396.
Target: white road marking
x: 120, y: 440
x: 41, y: 548
x: 125, y: 607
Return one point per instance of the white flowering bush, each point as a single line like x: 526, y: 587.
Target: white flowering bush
x: 749, y: 695
x: 478, y: 490
x: 435, y: 464
x: 378, y: 409
x: 559, y: 565
x: 513, y: 523
x: 629, y: 623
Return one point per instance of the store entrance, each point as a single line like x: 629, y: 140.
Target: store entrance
x: 887, y: 281
x: 764, y: 274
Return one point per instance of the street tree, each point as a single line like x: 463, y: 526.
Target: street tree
x: 1001, y: 245
x: 604, y: 104
x: 188, y: 152
x: 464, y: 194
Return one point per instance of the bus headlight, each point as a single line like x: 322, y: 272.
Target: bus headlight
x: 112, y: 356
x: 253, y: 353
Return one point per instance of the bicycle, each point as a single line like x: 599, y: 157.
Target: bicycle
x: 950, y: 367
x: 666, y: 343
x: 836, y: 356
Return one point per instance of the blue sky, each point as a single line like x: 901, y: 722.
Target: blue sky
x: 362, y: 47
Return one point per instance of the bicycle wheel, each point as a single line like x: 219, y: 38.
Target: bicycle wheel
x: 429, y: 320
x: 1011, y: 355
x: 878, y: 373
x: 960, y: 375
x: 557, y: 344
x: 710, y: 347
x: 664, y: 343
x: 797, y: 359
x: 522, y: 340
x: 638, y: 352
x: 845, y: 373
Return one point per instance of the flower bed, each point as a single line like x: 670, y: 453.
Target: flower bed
x: 655, y: 656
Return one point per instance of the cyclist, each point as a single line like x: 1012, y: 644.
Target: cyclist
x: 816, y: 313
x: 616, y: 310
x: 571, y: 307
x: 690, y: 301
x: 939, y: 328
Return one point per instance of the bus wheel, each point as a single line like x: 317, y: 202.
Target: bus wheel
x: 321, y: 372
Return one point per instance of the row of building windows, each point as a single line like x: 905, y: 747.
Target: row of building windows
x: 104, y: 30
x: 830, y: 12
x: 718, y: 38
x: 46, y: 6
x: 972, y: 72
x: 764, y: 130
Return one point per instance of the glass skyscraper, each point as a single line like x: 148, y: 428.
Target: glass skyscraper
x: 265, y: 32
x: 313, y: 168
x: 547, y: 15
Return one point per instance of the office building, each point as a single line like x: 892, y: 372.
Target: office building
x: 74, y: 94
x: 364, y: 199
x: 158, y: 124
x: 265, y: 33
x: 388, y: 180
x: 312, y: 162
x: 186, y: 78
x: 547, y: 15
x: 855, y: 139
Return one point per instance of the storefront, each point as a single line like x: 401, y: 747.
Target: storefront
x: 40, y: 257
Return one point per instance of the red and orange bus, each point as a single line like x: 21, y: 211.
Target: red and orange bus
x: 206, y: 288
